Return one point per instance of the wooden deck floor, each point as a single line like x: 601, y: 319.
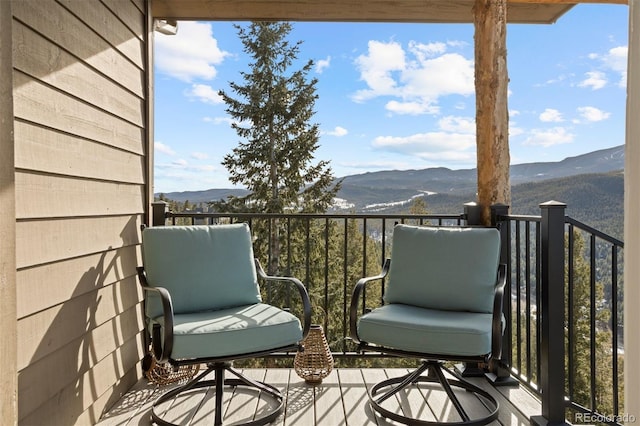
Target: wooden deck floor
x: 340, y: 400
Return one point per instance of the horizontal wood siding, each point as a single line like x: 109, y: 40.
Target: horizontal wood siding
x: 80, y: 146
x: 8, y: 329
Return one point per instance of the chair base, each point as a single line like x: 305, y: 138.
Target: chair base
x: 433, y: 374
x: 219, y: 382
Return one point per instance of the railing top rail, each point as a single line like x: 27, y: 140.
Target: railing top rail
x: 568, y: 220
x: 171, y: 214
x: 530, y: 218
x: 594, y: 231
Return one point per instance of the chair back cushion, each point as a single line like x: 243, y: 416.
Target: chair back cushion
x: 447, y: 268
x: 202, y: 267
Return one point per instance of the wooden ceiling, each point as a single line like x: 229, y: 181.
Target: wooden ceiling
x: 430, y: 11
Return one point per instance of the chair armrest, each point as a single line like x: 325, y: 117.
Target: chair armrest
x: 162, y: 345
x: 304, y: 295
x: 496, y: 331
x: 355, y: 299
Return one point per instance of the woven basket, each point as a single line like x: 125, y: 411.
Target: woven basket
x: 315, y: 362
x: 163, y: 373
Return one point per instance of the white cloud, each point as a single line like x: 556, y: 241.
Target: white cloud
x: 448, y: 74
x: 337, y: 131
x: 593, y: 114
x: 616, y: 60
x: 436, y: 147
x: 322, y: 64
x: 417, y: 76
x: 458, y: 124
x: 558, y: 79
x: 204, y: 93
x: 181, y: 175
x: 185, y: 166
x: 165, y: 149
x: 190, y: 54
x: 594, y: 79
x: 452, y: 144
x: 514, y: 130
x: 199, y: 155
x: 376, y: 69
x: 549, y: 137
x: 423, y: 51
x: 218, y: 120
x: 551, y: 115
x: 412, y: 108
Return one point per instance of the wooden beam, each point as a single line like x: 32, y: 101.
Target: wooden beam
x: 419, y: 11
x: 492, y: 117
x: 570, y: 1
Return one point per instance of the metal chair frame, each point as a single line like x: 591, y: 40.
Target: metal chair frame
x: 162, y: 346
x: 432, y: 364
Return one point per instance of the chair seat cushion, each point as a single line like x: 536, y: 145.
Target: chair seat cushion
x: 233, y: 331
x: 427, y: 331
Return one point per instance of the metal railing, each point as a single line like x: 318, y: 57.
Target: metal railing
x: 582, y: 299
x: 327, y: 252
x: 560, y: 270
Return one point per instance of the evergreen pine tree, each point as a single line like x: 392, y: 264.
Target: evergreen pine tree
x: 582, y: 333
x: 272, y: 114
x: 272, y: 111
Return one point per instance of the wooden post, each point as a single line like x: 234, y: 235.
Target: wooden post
x: 492, y: 116
x: 8, y: 309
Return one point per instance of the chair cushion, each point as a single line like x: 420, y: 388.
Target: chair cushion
x: 233, y: 331
x: 427, y: 331
x: 448, y: 268
x: 202, y: 267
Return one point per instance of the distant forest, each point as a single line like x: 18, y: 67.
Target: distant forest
x: 595, y: 199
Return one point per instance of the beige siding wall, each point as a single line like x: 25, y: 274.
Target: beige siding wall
x: 80, y: 142
x: 8, y: 378
x: 631, y: 225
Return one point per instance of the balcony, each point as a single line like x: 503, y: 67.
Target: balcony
x: 568, y: 368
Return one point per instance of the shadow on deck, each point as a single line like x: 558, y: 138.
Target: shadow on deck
x: 341, y: 399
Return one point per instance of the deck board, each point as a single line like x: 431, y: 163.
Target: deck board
x: 354, y: 398
x: 244, y: 402
x: 340, y: 400
x: 300, y: 402
x: 329, y: 408
x: 278, y: 377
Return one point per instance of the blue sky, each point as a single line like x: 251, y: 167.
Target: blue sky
x: 399, y: 96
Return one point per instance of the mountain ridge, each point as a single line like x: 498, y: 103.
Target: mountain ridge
x: 395, y: 186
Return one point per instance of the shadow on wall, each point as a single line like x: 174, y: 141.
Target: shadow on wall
x: 92, y: 346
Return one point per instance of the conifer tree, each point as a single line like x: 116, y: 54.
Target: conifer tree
x: 272, y: 111
x: 582, y: 334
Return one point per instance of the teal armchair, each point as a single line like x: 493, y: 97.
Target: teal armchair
x: 442, y: 298
x: 203, y: 306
